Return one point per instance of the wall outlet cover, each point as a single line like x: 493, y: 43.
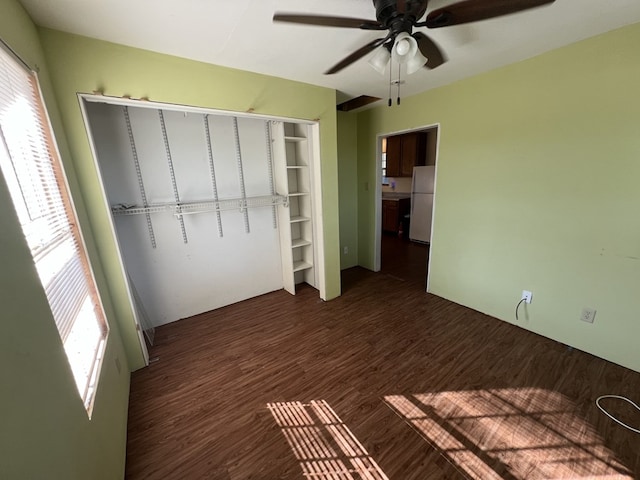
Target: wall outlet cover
x: 588, y: 315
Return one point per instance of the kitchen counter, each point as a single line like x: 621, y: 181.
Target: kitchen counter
x: 395, y: 196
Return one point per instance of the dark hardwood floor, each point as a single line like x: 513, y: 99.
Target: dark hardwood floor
x: 404, y: 260
x: 385, y: 382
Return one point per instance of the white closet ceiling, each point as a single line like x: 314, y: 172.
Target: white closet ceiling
x: 241, y: 34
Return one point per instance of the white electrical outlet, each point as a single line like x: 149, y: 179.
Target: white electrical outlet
x: 588, y: 315
x: 345, y: 250
x: 526, y: 296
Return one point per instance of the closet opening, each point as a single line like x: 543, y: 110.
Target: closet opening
x: 208, y: 208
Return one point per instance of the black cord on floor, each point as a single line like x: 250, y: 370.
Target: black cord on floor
x: 518, y: 306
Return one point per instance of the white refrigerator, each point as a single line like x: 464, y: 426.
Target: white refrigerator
x: 421, y: 203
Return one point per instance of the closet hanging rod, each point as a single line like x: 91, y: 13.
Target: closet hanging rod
x: 190, y: 208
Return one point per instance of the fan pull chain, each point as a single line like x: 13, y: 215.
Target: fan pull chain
x: 399, y: 67
x: 390, y: 79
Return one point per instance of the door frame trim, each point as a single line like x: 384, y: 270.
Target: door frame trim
x: 377, y: 261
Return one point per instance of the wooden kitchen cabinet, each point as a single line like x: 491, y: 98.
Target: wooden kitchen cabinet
x: 389, y: 216
x: 394, y: 154
x: 393, y: 211
x: 414, y: 152
x: 405, y: 152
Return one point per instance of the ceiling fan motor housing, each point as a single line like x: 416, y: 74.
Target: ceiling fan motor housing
x: 399, y: 16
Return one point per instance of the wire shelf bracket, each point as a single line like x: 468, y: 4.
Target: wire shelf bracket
x: 136, y: 163
x: 272, y: 188
x: 243, y: 191
x: 174, y: 185
x: 212, y: 171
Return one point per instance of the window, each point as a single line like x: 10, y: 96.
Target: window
x: 33, y: 172
x: 385, y: 180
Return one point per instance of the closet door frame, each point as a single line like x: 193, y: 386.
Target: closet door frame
x: 84, y: 98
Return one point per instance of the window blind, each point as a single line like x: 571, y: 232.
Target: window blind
x: 36, y: 182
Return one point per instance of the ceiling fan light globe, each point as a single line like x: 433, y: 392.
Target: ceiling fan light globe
x: 404, y: 48
x: 416, y: 62
x: 380, y: 60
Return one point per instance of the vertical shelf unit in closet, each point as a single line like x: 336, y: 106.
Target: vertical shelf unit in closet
x: 293, y: 162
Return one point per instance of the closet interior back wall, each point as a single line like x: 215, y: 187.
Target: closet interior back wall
x: 189, y: 264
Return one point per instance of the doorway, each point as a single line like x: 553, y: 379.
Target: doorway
x: 405, y: 203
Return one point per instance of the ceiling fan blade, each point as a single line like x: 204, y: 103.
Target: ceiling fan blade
x: 429, y: 49
x: 474, y: 10
x: 358, y: 54
x: 328, y: 21
x: 421, y: 8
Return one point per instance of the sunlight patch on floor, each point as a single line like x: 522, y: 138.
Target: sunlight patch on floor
x: 322, y: 443
x: 515, y: 434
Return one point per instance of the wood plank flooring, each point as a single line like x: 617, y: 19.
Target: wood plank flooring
x: 405, y: 260
x: 385, y: 382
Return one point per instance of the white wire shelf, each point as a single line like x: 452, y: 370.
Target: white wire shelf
x: 191, y: 208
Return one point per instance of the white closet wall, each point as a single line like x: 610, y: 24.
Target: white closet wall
x: 177, y: 279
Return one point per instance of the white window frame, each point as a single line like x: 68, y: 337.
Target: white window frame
x: 37, y: 183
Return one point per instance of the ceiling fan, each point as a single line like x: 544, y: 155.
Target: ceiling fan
x: 399, y: 18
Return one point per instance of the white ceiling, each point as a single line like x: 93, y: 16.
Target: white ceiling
x: 241, y: 34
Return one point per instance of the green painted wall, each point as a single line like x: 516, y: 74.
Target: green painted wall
x: 537, y: 189
x: 45, y: 429
x: 347, y: 181
x: 80, y: 64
